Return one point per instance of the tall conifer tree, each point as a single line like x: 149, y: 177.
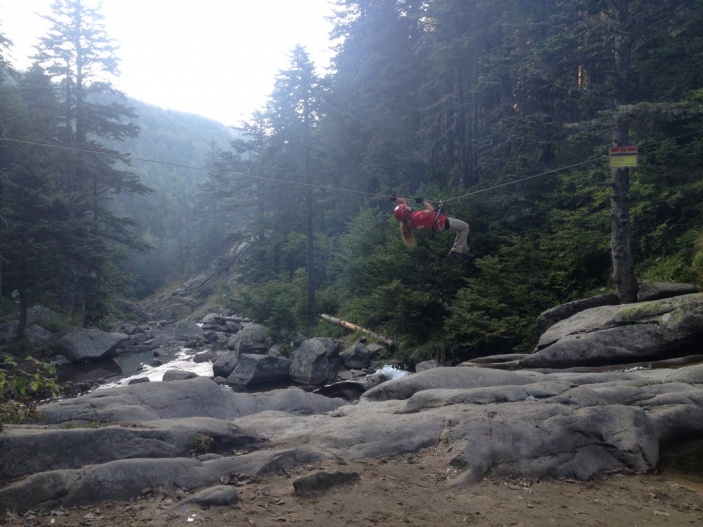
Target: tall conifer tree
x: 292, y: 114
x: 80, y: 56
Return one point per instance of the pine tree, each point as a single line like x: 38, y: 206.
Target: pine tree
x: 32, y: 233
x: 79, y: 55
x: 292, y: 115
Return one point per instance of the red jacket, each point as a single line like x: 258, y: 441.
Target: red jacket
x: 424, y: 219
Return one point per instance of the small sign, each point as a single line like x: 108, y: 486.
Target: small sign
x: 623, y: 156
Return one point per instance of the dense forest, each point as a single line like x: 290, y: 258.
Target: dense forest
x: 504, y: 111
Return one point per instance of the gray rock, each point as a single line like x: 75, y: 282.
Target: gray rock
x: 125, y: 479
x: 212, y: 319
x: 405, y: 387
x: 34, y: 449
x: 333, y: 346
x: 178, y: 375
x: 310, y: 363
x: 252, y: 339
x: 259, y: 369
x: 211, y: 336
x: 80, y: 344
x: 485, y: 395
x: 225, y: 363
x: 620, y: 334
x: 159, y: 340
x: 185, y: 330
x: 198, y: 397
x: 232, y: 342
x: 427, y: 365
x: 232, y: 326
x: 37, y: 334
x: 356, y: 357
x: 550, y: 317
x: 297, y: 339
x: 204, y: 356
x: 658, y: 290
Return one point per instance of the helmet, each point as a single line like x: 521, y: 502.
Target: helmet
x: 402, y: 212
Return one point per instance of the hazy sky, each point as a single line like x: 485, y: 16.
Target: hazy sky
x: 216, y: 58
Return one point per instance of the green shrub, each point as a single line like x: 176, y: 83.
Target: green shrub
x: 21, y: 383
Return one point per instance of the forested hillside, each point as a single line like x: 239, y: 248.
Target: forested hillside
x: 170, y: 155
x: 502, y: 110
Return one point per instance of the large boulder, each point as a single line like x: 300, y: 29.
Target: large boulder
x: 225, y: 363
x: 657, y: 290
x: 310, y: 363
x: 356, y: 357
x: 89, y: 344
x: 186, y: 329
x: 251, y: 339
x: 621, y: 334
x: 259, y: 369
x: 556, y: 314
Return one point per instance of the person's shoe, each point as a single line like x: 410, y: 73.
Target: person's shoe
x: 461, y: 257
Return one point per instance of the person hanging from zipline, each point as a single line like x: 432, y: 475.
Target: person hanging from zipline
x: 432, y: 219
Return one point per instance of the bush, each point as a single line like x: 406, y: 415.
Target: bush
x: 22, y: 383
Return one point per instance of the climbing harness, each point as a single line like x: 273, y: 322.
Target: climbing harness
x: 438, y: 212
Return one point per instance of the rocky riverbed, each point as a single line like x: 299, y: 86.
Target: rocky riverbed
x: 496, y: 441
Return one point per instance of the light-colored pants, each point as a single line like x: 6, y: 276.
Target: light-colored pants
x: 462, y: 233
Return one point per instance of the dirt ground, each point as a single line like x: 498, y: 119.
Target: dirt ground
x: 409, y: 491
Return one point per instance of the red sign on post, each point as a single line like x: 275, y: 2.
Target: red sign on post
x: 623, y: 156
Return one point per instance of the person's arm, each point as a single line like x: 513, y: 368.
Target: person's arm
x: 428, y: 206
x: 401, y: 201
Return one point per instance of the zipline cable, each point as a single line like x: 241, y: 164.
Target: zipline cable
x: 569, y: 167
x: 313, y: 185
x: 127, y: 158
x: 522, y: 179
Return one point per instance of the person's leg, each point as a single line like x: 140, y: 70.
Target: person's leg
x: 462, y: 233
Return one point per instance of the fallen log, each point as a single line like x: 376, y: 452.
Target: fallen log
x: 354, y: 327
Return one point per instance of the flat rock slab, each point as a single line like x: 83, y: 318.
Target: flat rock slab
x: 197, y: 397
x: 42, y: 449
x: 571, y: 425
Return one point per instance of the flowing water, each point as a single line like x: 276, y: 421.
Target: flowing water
x: 138, y: 366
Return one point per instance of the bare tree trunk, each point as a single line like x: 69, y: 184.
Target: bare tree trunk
x: 621, y: 253
x: 354, y: 327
